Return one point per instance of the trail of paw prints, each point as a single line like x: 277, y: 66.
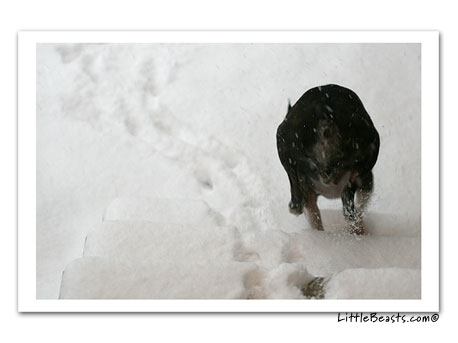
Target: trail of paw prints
x: 113, y: 84
x: 286, y: 281
x: 228, y: 181
x: 275, y: 275
x: 110, y: 94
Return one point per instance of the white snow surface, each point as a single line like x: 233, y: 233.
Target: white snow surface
x: 164, y: 156
x: 389, y: 283
x: 174, y: 211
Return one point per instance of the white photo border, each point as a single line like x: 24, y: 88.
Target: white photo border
x: 27, y: 301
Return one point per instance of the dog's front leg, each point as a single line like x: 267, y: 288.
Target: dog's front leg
x: 312, y: 212
x: 352, y: 215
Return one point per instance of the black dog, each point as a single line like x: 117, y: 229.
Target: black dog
x: 328, y: 146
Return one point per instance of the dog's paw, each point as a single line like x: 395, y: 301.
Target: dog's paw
x: 358, y: 229
x: 296, y: 208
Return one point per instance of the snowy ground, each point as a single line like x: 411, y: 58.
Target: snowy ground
x: 196, y: 124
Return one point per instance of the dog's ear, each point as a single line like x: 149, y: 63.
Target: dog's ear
x: 289, y: 105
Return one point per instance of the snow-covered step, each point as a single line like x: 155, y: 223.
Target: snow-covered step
x: 384, y: 283
x: 133, y: 259
x: 149, y: 260
x: 143, y: 242
x: 160, y: 210
x: 326, y: 253
x: 377, y: 223
x: 102, y: 278
x: 180, y: 249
